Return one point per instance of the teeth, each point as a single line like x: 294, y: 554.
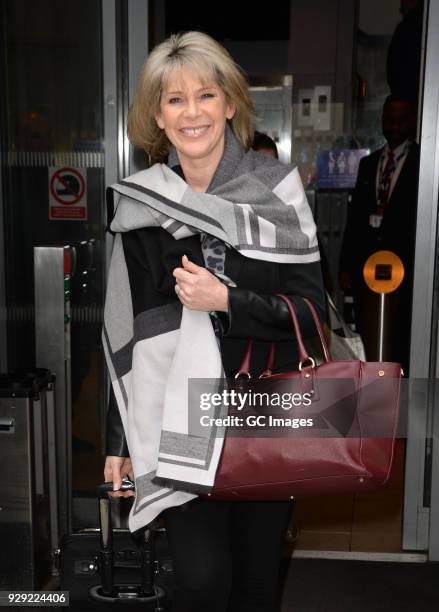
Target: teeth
x: 194, y: 131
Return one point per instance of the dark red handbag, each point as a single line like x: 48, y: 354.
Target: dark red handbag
x: 283, y: 468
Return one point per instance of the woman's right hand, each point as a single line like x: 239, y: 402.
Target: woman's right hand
x: 115, y: 469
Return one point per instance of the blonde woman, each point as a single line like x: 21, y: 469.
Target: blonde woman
x: 204, y: 238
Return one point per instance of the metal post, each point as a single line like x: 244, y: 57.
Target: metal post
x: 52, y: 345
x: 381, y: 327
x: 51, y: 452
x: 111, y: 144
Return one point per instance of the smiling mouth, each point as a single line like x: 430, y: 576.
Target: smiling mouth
x: 195, y: 132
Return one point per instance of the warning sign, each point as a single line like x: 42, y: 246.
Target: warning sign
x: 67, y: 194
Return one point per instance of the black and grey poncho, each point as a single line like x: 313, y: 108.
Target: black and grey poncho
x: 262, y: 212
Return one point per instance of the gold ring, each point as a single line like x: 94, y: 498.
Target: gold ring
x: 177, y: 289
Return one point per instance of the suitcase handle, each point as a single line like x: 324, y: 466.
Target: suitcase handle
x: 106, y: 556
x: 106, y: 532
x: 106, y: 487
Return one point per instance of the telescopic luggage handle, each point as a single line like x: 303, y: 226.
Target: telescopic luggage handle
x: 108, y: 592
x: 107, y: 487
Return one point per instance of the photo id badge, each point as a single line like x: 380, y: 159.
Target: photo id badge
x: 375, y: 221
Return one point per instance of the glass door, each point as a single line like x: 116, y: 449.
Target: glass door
x: 53, y: 177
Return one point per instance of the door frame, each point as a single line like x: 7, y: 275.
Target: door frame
x: 432, y: 147
x: 136, y: 15
x: 4, y: 147
x: 138, y: 47
x: 421, y: 521
x: 3, y: 326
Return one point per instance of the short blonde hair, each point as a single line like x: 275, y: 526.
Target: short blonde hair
x: 209, y: 59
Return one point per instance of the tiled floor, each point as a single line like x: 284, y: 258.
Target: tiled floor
x: 316, y: 585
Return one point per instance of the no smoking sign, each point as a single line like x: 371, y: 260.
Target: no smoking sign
x: 67, y: 194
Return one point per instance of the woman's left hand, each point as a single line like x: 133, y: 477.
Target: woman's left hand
x: 198, y: 289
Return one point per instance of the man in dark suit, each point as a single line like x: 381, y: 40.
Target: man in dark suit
x: 382, y: 216
x: 405, y: 50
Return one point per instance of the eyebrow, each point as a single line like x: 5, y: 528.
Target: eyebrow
x: 168, y: 93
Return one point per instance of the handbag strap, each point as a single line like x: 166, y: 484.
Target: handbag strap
x: 269, y: 364
x: 326, y: 352
x: 244, y: 369
x: 303, y: 355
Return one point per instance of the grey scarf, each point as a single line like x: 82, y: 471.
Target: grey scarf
x: 254, y: 203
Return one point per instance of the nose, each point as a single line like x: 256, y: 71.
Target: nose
x: 192, y: 109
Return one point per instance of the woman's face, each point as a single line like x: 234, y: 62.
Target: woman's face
x: 193, y: 114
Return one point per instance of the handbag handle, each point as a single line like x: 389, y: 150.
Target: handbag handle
x: 244, y: 369
x: 292, y: 309
x: 326, y: 352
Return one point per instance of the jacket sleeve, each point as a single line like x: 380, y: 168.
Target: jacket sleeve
x: 116, y: 444
x: 266, y: 317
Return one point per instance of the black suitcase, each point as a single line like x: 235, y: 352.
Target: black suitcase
x: 106, y: 566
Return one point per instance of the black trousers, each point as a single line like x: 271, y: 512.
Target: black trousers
x: 227, y: 554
